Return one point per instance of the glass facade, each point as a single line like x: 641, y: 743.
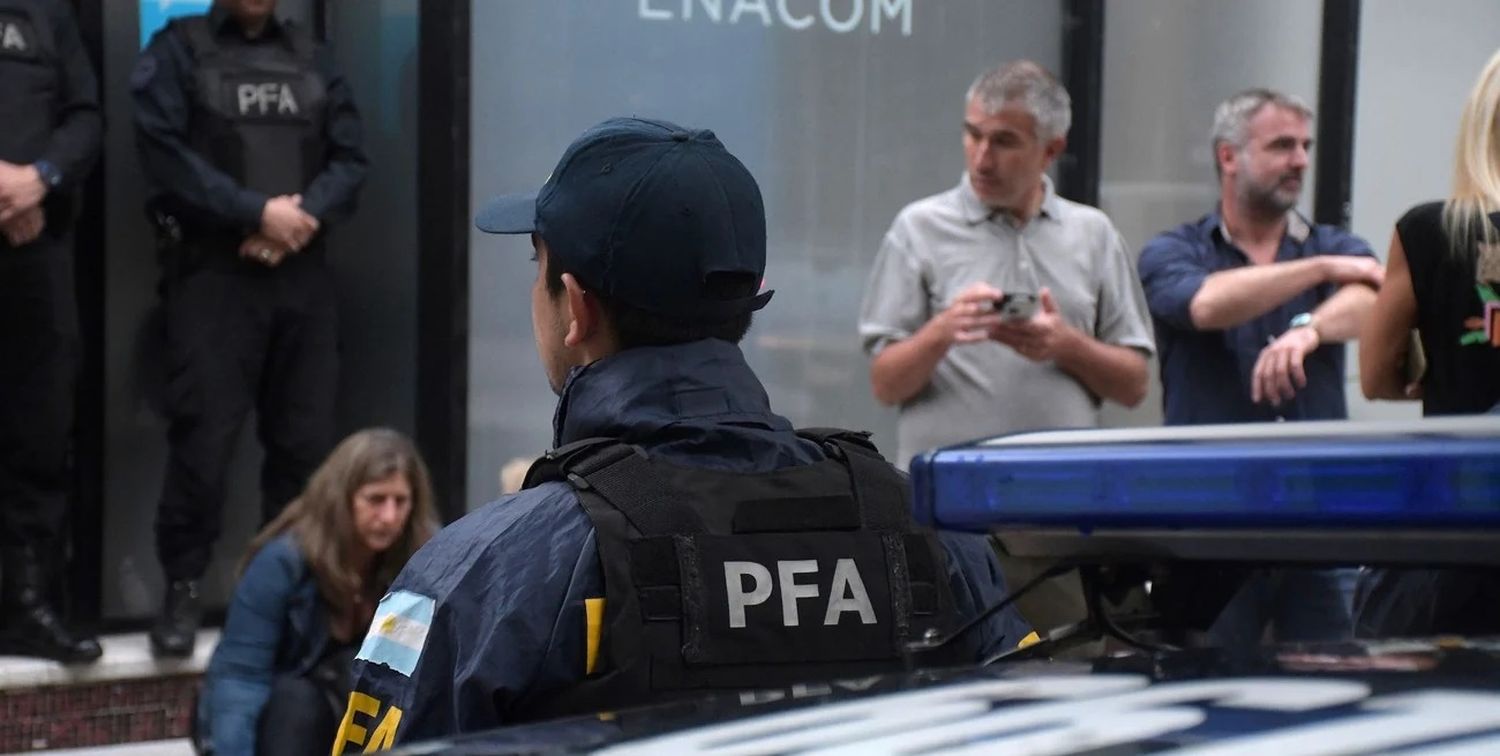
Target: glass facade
x: 844, y: 111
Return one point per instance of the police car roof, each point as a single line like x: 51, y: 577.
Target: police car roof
x: 1339, y: 698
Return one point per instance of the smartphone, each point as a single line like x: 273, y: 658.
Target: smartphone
x: 1016, y: 306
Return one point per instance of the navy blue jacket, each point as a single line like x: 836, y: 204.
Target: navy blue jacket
x: 491, y: 611
x: 74, y: 124
x: 185, y: 182
x: 277, y: 624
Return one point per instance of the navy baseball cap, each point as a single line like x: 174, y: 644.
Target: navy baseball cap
x: 647, y: 213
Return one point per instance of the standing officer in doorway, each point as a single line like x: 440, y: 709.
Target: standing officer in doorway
x: 49, y: 138
x: 251, y: 144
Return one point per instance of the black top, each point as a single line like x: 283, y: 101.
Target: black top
x: 162, y: 85
x: 1458, y: 314
x: 73, y: 140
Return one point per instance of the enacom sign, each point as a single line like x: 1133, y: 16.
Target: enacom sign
x: 839, y: 16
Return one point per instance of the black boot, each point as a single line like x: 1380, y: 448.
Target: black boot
x: 32, y: 626
x: 176, y: 630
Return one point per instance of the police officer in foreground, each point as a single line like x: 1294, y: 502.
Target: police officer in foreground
x: 681, y: 537
x: 49, y: 139
x: 251, y: 145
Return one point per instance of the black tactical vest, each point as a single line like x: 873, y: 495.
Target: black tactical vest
x: 30, y: 85
x: 259, y: 109
x: 734, y: 581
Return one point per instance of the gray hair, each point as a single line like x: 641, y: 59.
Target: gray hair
x: 1232, y: 118
x: 1030, y: 85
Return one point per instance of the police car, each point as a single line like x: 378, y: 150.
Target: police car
x: 1414, y: 697
x: 1311, y: 493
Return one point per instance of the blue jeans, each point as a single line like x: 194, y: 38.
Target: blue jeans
x: 1301, y: 605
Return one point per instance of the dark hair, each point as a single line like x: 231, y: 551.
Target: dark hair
x: 635, y: 327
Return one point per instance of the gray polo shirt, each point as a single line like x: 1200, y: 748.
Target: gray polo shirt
x: 939, y: 245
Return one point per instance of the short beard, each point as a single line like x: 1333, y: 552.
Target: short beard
x: 1268, y: 201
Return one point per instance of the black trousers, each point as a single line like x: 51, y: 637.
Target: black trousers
x: 1405, y: 603
x: 242, y: 337
x: 299, y: 719
x: 39, y: 354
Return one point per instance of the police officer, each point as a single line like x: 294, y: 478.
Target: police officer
x: 252, y: 145
x: 49, y: 138
x: 681, y: 536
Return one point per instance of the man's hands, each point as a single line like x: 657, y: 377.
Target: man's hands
x: 24, y: 228
x: 971, y: 318
x: 1278, y: 373
x: 259, y: 248
x: 904, y: 368
x: 1042, y: 338
x: 21, y: 190
x: 285, y: 228
x: 1347, y: 269
x: 286, y: 224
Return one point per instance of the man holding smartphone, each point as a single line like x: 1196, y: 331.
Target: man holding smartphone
x: 997, y: 306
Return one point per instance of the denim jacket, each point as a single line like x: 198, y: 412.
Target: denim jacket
x: 277, y: 624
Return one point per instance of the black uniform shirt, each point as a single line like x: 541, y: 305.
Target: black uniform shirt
x: 74, y: 141
x: 183, y: 180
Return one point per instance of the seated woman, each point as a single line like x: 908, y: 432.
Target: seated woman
x: 1443, y: 279
x: 306, y: 595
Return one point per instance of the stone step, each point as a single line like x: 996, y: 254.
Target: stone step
x: 128, y: 696
x: 179, y: 747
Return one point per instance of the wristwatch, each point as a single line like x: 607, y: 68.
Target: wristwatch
x: 51, y: 177
x: 1306, y: 320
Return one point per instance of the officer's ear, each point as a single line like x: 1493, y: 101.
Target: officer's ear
x: 585, y: 314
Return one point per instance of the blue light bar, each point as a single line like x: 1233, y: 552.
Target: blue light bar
x: 1421, y: 474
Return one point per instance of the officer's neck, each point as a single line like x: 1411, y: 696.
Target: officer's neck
x: 597, y: 342
x: 253, y: 27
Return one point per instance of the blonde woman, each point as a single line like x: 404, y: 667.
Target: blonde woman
x: 307, y: 592
x: 1443, y: 279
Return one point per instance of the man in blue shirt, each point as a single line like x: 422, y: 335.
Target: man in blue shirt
x: 1252, y: 306
x: 1252, y: 303
x: 681, y: 536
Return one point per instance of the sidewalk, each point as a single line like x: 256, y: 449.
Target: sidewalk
x: 155, y: 748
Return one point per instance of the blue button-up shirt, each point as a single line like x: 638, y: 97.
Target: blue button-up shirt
x: 1205, y: 374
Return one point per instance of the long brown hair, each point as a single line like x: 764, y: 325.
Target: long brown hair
x: 320, y: 518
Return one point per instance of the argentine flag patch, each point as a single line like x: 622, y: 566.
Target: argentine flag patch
x: 399, y: 631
